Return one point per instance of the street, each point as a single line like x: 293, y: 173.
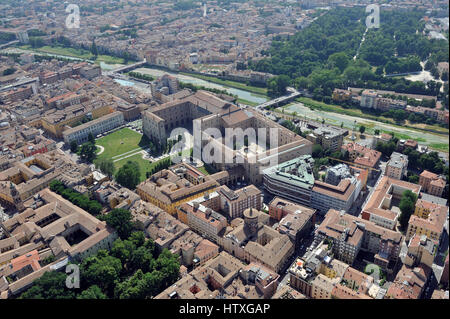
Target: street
x: 301, y: 251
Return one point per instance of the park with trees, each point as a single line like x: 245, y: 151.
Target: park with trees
x: 134, y: 269
x: 320, y: 58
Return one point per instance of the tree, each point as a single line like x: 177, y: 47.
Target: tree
x: 82, y: 201
x: 362, y: 129
x: 377, y: 132
x: 301, y: 82
x: 407, y: 205
x: 52, y: 285
x: 132, y: 288
x: 168, y: 264
x: 141, y: 258
x: 277, y: 85
x: 91, y: 138
x: 93, y: 292
x: 102, y: 270
x: 9, y: 71
x: 120, y: 220
x: 386, y: 148
x: 129, y: 175
x: 73, y: 146
x: 444, y: 76
x: 317, y: 151
x: 123, y: 249
x: 339, y: 60
x: 106, y: 166
x: 94, y: 49
x: 413, y: 179
x: 88, y: 152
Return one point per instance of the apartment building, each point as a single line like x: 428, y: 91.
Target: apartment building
x: 114, y: 195
x: 409, y: 283
x: 382, y: 206
x: 397, y: 167
x: 381, y: 138
x: 16, y: 94
x: 362, y: 155
x: 369, y: 99
x: 326, y: 196
x: 350, y: 234
x: 293, y: 180
x: 81, y: 133
x: 234, y: 203
x: 263, y: 278
x: 340, y: 95
x: 224, y: 277
x: 90, y: 71
x: 297, y: 224
x: 28, y: 176
x: 342, y: 292
x: 320, y: 276
x: 64, y: 100
x: 322, y: 287
x: 337, y: 173
x: 163, y: 228
x: 432, y: 183
x: 445, y: 272
x: 385, y: 104
x: 428, y: 219
x: 421, y: 250
x: 202, y: 219
x: 280, y: 208
x: 329, y: 137
x: 171, y: 187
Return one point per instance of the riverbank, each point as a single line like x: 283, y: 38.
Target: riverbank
x: 360, y: 114
x: 244, y: 95
x: 76, y: 53
x: 237, y: 85
x: 435, y: 141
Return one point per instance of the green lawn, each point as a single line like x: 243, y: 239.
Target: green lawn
x: 203, y: 170
x: 121, y: 141
x: 144, y: 165
x: 339, y: 109
x: 403, y: 136
x: 440, y: 147
x: 242, y: 101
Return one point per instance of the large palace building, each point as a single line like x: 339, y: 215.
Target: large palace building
x: 206, y: 112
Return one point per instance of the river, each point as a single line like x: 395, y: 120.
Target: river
x: 245, y: 95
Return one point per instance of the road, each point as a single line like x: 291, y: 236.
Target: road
x: 293, y: 93
x: 301, y: 251
x: 336, y: 119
